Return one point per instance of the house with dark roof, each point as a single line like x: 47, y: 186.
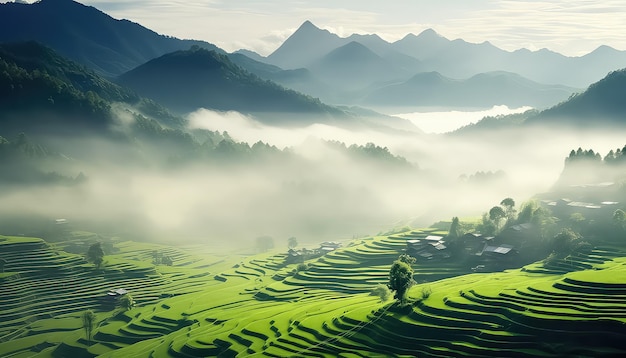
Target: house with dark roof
x: 427, y: 248
x: 496, y: 257
x: 474, y: 243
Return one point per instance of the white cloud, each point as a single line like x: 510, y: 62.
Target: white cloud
x: 442, y: 122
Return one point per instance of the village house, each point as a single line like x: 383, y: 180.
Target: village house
x: 301, y: 255
x: 427, y: 248
x: 473, y: 243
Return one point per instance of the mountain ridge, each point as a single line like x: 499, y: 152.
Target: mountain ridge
x: 190, y: 79
x: 87, y: 35
x: 437, y: 53
x: 484, y: 89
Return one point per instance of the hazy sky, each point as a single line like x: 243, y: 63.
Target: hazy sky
x: 572, y: 27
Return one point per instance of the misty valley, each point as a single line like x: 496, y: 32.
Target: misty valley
x: 339, y: 197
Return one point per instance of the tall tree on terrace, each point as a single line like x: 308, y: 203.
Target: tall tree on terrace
x: 89, y: 321
x: 401, y: 277
x: 95, y: 254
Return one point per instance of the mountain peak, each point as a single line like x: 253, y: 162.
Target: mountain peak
x: 308, y: 25
x: 303, y: 46
x: 353, y: 50
x: 429, y: 33
x: 603, y: 50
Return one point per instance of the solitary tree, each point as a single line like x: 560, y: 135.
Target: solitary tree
x: 400, y: 279
x: 455, y: 228
x: 292, y: 242
x: 89, y: 321
x: 127, y: 302
x: 95, y: 254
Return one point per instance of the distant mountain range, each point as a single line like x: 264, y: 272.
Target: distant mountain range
x: 482, y: 90
x: 453, y: 58
x: 345, y: 72
x: 364, y: 70
x: 114, y: 47
x: 367, y: 70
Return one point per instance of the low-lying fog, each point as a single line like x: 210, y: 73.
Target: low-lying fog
x: 438, y: 121
x: 314, y: 190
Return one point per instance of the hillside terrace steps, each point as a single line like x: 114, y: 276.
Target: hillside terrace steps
x: 471, y: 321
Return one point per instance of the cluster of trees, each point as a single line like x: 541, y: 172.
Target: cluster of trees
x: 499, y: 217
x: 566, y: 243
x: 21, y: 159
x: 160, y: 259
x: 371, y: 151
x: 613, y: 157
x: 580, y: 155
x: 505, y: 215
x: 38, y: 90
x: 482, y: 177
x: 616, y: 157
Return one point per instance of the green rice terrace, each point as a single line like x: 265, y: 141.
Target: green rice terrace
x: 258, y: 305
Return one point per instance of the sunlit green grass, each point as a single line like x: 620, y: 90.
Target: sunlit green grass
x: 208, y: 305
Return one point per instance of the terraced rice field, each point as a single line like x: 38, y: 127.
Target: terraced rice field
x: 259, y: 306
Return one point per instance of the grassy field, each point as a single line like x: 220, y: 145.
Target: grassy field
x: 212, y: 305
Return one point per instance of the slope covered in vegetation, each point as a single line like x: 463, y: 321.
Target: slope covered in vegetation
x: 208, y: 305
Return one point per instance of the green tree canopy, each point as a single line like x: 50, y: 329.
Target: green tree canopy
x: 127, y: 302
x: 89, y: 321
x: 565, y: 242
x: 508, y: 203
x: 509, y: 207
x: 95, y: 254
x: 496, y: 213
x: 400, y: 279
